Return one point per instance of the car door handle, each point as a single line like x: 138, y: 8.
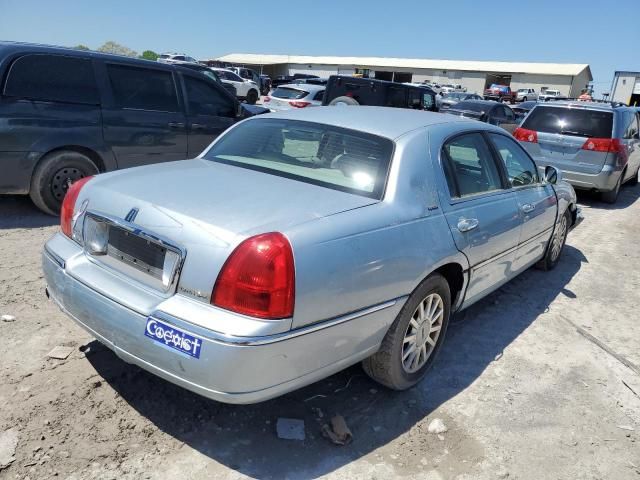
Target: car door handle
x: 198, y: 126
x: 466, y: 224
x: 528, y: 208
x: 176, y: 125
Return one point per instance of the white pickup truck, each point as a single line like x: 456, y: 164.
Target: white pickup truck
x: 551, y: 95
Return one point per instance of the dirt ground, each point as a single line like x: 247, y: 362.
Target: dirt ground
x: 539, y: 381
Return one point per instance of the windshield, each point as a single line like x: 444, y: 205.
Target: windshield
x: 455, y: 96
x: 570, y: 121
x: 289, y: 93
x: 332, y: 157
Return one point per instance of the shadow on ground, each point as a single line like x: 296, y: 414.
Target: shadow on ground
x: 18, y: 211
x: 244, y: 439
x: 629, y: 194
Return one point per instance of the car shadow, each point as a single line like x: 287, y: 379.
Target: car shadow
x: 628, y: 195
x: 243, y: 437
x: 18, y: 211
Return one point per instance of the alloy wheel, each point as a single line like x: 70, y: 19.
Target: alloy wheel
x: 421, y: 336
x: 558, y: 238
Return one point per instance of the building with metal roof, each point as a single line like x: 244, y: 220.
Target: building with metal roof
x: 625, y: 88
x: 569, y: 78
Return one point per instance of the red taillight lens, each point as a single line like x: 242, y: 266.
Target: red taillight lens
x: 258, y: 278
x: 69, y: 204
x: 266, y: 99
x: 299, y: 104
x: 524, y: 135
x: 610, y: 145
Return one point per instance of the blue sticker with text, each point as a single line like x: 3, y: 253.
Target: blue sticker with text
x: 173, y: 337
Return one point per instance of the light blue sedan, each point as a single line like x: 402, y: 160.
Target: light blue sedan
x: 302, y: 242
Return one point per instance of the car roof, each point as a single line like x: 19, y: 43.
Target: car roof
x: 382, y: 121
x: 605, y: 107
x: 307, y: 87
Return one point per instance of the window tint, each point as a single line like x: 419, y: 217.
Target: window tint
x: 143, y: 88
x: 319, y: 96
x: 520, y: 168
x: 570, y: 121
x: 205, y: 99
x: 396, y: 97
x: 324, y: 155
x: 631, y: 121
x: 54, y: 78
x: 289, y: 93
x: 472, y: 167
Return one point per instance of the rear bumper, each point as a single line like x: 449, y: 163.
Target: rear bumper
x: 230, y: 369
x: 603, y: 181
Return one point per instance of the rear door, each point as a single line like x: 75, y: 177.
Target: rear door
x: 537, y: 203
x: 210, y: 111
x: 631, y: 139
x: 482, y: 212
x: 562, y: 134
x: 143, y: 119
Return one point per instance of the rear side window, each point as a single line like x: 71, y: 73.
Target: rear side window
x: 289, y: 93
x: 143, y: 88
x: 570, y: 121
x: 55, y: 78
x: 205, y: 99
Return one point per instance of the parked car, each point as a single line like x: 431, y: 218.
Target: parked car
x: 211, y: 74
x: 175, y: 58
x: 522, y: 109
x: 265, y: 84
x: 525, y: 94
x: 263, y: 81
x: 352, y: 91
x: 486, y: 111
x: 451, y: 99
x: 285, y: 79
x: 450, y: 88
x: 66, y: 114
x: 303, y: 242
x: 595, y: 144
x: 500, y: 93
x: 287, y: 97
x: 548, y: 95
x: 246, y: 90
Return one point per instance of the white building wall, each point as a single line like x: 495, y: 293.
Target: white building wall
x: 538, y: 82
x: 623, y: 85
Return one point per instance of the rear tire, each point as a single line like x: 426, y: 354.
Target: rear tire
x: 612, y: 195
x: 252, y: 97
x: 53, y: 175
x: 393, y: 365
x: 556, y: 243
x: 352, y: 102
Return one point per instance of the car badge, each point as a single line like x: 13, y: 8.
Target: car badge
x: 131, y: 216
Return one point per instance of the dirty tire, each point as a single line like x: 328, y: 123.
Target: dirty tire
x: 551, y: 259
x: 352, y: 102
x: 49, y: 182
x: 386, y: 366
x: 612, y: 195
x: 252, y: 97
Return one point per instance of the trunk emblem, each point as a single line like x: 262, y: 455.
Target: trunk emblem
x: 131, y: 216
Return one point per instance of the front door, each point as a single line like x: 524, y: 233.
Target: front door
x: 143, y: 121
x: 537, y: 201
x: 210, y: 111
x: 482, y: 213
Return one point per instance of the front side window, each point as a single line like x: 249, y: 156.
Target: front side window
x: 520, y: 168
x: 143, y: 88
x: 332, y: 157
x: 471, y: 168
x: 204, y: 99
x: 56, y: 78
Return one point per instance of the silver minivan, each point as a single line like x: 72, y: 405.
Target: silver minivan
x: 596, y: 145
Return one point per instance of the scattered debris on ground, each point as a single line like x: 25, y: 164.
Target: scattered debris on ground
x: 338, y: 432
x: 437, y: 426
x: 60, y: 352
x: 8, y: 318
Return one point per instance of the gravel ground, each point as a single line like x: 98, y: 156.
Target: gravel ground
x: 540, y: 380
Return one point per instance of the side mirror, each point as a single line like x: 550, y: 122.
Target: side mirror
x: 552, y: 175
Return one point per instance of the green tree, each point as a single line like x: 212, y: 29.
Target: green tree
x: 149, y: 55
x: 117, y: 49
x: 81, y: 47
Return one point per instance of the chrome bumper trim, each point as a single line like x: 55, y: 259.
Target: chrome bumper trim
x: 55, y: 258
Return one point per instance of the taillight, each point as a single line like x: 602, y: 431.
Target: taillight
x: 69, y: 204
x: 525, y: 135
x: 266, y: 99
x: 258, y: 278
x: 297, y: 104
x: 610, y: 145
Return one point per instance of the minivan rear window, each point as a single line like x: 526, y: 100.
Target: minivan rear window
x: 578, y: 122
x: 324, y: 155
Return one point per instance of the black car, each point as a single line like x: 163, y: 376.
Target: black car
x: 487, y: 111
x: 343, y: 90
x: 67, y: 114
x: 211, y: 74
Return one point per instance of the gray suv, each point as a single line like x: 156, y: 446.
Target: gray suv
x: 596, y: 145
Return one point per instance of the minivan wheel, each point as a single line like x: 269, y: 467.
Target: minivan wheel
x: 556, y: 244
x: 415, y: 337
x: 54, y: 174
x: 252, y: 97
x: 612, y: 195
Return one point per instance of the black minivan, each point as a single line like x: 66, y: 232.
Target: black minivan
x: 66, y: 114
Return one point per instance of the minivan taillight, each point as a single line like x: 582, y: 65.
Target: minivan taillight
x: 258, y: 278
x: 610, y: 145
x: 69, y: 204
x: 525, y: 135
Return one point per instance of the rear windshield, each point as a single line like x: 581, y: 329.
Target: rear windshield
x: 570, y: 121
x: 471, y: 106
x: 332, y: 157
x: 289, y: 93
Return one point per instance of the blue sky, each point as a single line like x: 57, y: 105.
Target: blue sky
x: 605, y: 35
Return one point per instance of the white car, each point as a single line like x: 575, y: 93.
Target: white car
x: 524, y: 94
x: 292, y: 96
x: 245, y: 89
x: 551, y: 95
x: 176, y: 58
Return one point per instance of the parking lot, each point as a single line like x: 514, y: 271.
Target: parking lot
x: 539, y: 380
